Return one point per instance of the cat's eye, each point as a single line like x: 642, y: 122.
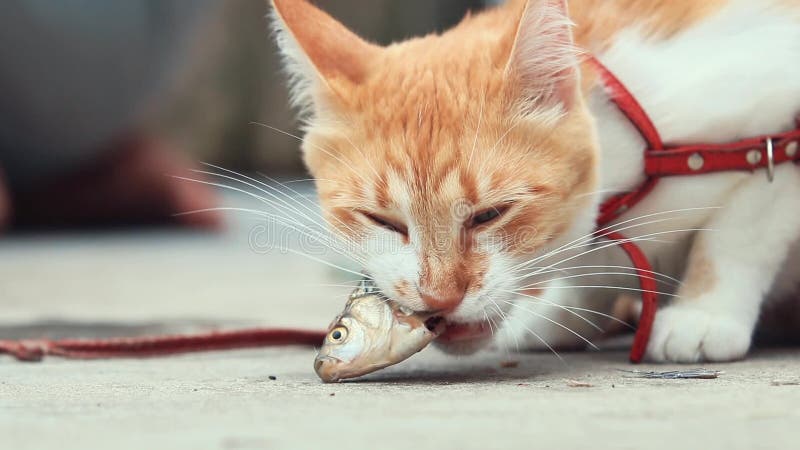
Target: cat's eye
x: 389, y: 224
x: 486, y: 216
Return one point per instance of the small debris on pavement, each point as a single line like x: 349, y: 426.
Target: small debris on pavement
x: 509, y: 364
x: 332, y: 394
x: 696, y: 374
x: 785, y: 383
x: 272, y: 377
x: 578, y: 384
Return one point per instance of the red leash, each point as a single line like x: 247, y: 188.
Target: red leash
x: 152, y: 346
x: 660, y: 161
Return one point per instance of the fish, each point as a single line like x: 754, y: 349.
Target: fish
x: 373, y: 332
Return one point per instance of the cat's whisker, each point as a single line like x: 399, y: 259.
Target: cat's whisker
x: 556, y: 305
x: 543, y: 317
x: 287, y: 222
x: 314, y: 205
x: 269, y: 202
x: 346, y: 286
x: 503, y: 136
x: 295, y: 252
x: 486, y: 316
x: 504, y: 316
x: 280, y: 196
x: 614, y: 243
x: 281, y: 221
x: 322, y: 261
x: 586, y: 275
x: 477, y: 132
x: 589, y: 240
x: 273, y: 200
x: 532, y: 298
x: 300, y: 180
x: 262, y: 185
x: 621, y: 288
x: 613, y: 228
x: 667, y: 279
x: 353, y: 282
x: 540, y: 338
x: 363, y: 156
x: 492, y: 321
x: 324, y: 150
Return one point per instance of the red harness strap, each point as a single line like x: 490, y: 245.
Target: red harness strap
x: 661, y: 161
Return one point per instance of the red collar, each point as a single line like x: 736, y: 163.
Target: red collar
x: 660, y: 160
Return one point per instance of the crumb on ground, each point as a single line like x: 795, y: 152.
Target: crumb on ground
x: 578, y: 384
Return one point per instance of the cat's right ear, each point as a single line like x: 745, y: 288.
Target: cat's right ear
x: 324, y: 59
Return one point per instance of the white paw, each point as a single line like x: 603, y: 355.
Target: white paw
x: 686, y: 334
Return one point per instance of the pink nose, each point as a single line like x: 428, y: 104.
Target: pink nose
x: 447, y: 302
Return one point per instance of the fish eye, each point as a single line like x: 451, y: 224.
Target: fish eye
x: 338, y: 334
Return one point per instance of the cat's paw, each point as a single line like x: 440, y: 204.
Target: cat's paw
x: 687, y: 334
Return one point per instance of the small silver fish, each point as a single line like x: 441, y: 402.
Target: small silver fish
x: 371, y: 333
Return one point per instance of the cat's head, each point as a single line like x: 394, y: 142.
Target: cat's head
x: 448, y: 159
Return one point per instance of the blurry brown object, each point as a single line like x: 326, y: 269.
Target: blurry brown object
x: 779, y: 324
x: 134, y: 183
x: 5, y: 203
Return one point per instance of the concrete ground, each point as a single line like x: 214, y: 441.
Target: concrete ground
x: 124, y: 284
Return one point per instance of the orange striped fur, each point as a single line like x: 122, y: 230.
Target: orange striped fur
x: 426, y: 133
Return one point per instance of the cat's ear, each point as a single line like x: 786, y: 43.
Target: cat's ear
x: 322, y: 56
x: 543, y: 62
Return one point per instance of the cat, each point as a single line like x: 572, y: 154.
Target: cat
x: 468, y: 166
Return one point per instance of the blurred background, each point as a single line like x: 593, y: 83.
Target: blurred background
x: 103, y: 99
x: 108, y: 106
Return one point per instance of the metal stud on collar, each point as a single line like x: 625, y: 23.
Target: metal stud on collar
x: 791, y: 149
x: 754, y: 157
x: 696, y: 162
x: 770, y: 161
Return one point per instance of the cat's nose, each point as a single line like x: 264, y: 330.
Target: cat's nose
x: 442, y: 301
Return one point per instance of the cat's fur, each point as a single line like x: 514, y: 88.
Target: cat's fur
x: 411, y: 143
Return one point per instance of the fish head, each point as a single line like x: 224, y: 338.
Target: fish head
x: 372, y: 333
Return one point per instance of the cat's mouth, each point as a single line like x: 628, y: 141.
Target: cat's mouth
x: 465, y: 338
x: 458, y: 332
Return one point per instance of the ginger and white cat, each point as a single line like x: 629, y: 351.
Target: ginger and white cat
x: 468, y: 166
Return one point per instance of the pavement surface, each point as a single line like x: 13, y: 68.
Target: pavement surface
x: 122, y: 283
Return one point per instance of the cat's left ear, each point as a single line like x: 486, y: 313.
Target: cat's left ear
x: 322, y: 56
x: 543, y: 64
